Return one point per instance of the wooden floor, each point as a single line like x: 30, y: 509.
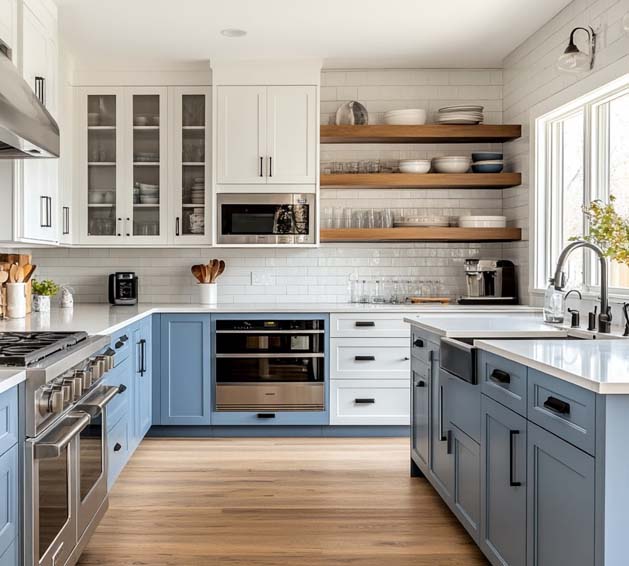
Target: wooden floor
x: 266, y: 502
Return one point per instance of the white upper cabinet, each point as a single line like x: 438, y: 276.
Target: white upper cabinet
x: 8, y: 25
x: 241, y: 135
x: 291, y: 134
x: 266, y: 135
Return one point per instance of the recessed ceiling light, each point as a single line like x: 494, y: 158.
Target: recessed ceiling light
x: 233, y: 32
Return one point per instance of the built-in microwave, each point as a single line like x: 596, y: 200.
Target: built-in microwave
x: 266, y: 218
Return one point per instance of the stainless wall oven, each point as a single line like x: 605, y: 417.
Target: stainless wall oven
x: 266, y: 218
x: 270, y: 365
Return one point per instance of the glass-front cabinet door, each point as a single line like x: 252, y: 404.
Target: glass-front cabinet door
x: 146, y: 188
x: 100, y: 172
x: 191, y: 158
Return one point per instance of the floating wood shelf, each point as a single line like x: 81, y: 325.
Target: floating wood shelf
x: 428, y: 234
x: 427, y: 133
x: 422, y: 181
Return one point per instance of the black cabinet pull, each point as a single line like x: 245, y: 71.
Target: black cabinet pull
x: 177, y: 226
x: 261, y: 165
x: 45, y: 212
x: 557, y: 406
x: 365, y: 401
x: 365, y: 358
x: 66, y: 220
x: 512, y: 435
x: 421, y: 383
x: 119, y: 344
x: 142, y: 368
x: 124, y: 338
x: 117, y: 447
x: 441, y: 436
x: 122, y: 388
x: 405, y: 359
x: 419, y: 343
x: 500, y: 376
x: 266, y: 415
x: 363, y: 323
x: 449, y: 444
x: 270, y: 167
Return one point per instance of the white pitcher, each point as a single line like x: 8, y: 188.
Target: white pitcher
x: 16, y: 300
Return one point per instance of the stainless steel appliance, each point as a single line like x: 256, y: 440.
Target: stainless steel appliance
x: 65, y: 449
x: 27, y: 130
x: 490, y: 282
x: 270, y: 365
x: 266, y: 218
x: 123, y: 288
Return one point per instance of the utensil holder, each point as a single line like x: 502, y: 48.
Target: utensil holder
x: 209, y: 293
x: 16, y: 300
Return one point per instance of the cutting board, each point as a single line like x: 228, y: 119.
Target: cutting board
x: 6, y: 260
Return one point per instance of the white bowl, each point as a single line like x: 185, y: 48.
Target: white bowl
x: 409, y: 117
x: 482, y: 221
x: 148, y: 200
x: 451, y: 166
x: 452, y: 158
x: 415, y: 166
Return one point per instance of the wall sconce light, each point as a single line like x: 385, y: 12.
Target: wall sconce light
x: 573, y: 60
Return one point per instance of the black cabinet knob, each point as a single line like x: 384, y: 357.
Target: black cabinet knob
x: 117, y: 447
x: 122, y: 388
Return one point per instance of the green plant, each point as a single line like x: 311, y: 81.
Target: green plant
x: 607, y: 229
x: 47, y: 287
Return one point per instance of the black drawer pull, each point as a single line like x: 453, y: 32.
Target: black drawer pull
x: 421, y: 383
x: 500, y: 376
x: 360, y: 323
x: 365, y: 358
x: 124, y: 338
x: 512, y: 435
x: 449, y: 444
x: 122, y: 388
x: 119, y: 344
x: 419, y: 343
x: 117, y: 447
x: 365, y: 401
x: 557, y: 406
x: 266, y: 415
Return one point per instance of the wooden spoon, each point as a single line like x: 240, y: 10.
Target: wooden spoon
x: 28, y: 271
x: 214, y: 270
x: 19, y: 274
x: 221, y: 268
x: 197, y: 271
x: 3, y: 277
x: 13, y: 273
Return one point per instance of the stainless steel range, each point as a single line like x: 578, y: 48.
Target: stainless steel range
x: 65, y: 450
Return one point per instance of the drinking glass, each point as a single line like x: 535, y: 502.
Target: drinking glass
x: 338, y: 218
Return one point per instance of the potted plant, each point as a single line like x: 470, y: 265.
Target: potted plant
x: 42, y: 291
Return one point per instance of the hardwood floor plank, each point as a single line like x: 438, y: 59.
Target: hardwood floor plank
x: 276, y: 502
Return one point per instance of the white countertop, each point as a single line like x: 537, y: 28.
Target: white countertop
x: 10, y: 377
x: 601, y: 366
x: 105, y: 319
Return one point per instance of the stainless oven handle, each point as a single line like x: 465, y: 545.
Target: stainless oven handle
x: 270, y: 355
x: 99, y: 400
x: 55, y: 441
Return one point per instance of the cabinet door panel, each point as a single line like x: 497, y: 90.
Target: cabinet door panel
x: 420, y: 431
x: 503, y: 463
x: 185, y: 371
x: 142, y: 376
x: 441, y: 461
x: 560, y: 495
x: 466, y: 487
x: 241, y: 131
x: 292, y: 135
x: 8, y: 498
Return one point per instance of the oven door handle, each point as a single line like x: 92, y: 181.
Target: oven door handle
x: 98, y: 401
x: 55, y: 441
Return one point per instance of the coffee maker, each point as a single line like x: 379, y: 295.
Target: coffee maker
x: 490, y: 282
x: 123, y: 288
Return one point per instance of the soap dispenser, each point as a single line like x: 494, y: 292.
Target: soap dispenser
x: 553, y: 303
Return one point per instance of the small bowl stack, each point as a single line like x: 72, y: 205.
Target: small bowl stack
x: 197, y: 192
x: 408, y: 117
x: 451, y: 164
x: 487, y: 162
x: 149, y: 194
x: 460, y: 115
x: 414, y: 166
x: 482, y: 221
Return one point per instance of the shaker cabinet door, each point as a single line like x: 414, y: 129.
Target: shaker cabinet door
x: 466, y: 487
x: 420, y: 415
x: 441, y: 463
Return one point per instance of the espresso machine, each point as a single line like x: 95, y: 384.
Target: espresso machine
x: 490, y: 282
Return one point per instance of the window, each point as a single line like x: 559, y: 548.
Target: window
x: 581, y: 154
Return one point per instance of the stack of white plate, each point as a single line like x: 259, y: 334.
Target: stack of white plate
x: 482, y: 221
x: 149, y: 194
x: 414, y: 166
x: 421, y: 221
x: 197, y: 192
x: 460, y: 115
x: 451, y: 164
x: 407, y: 117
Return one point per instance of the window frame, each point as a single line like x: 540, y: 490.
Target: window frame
x: 546, y: 204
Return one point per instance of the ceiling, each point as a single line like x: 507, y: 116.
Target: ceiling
x: 167, y: 34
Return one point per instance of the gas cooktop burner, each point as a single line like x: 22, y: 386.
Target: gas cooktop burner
x: 26, y: 348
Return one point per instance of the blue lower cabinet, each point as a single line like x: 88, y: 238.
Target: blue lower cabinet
x: 561, y: 499
x: 503, y: 484
x: 118, y: 449
x: 466, y: 481
x: 9, y: 489
x: 11, y: 556
x: 420, y: 425
x: 185, y: 386
x: 8, y: 419
x: 142, y: 379
x: 441, y: 463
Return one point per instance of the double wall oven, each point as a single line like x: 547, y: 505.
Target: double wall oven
x: 270, y: 365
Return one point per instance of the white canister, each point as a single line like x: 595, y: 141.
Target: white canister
x: 209, y: 293
x: 16, y: 300
x: 41, y: 303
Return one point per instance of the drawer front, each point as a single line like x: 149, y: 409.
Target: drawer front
x: 369, y: 402
x: 365, y: 358
x: 121, y: 403
x: 504, y: 381
x: 8, y: 419
x: 10, y: 556
x: 461, y: 404
x: 121, y: 344
x: 117, y: 450
x: 369, y: 325
x: 8, y: 499
x: 424, y: 346
x: 563, y: 409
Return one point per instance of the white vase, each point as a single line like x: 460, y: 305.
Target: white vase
x: 16, y: 300
x: 209, y: 293
x: 41, y: 303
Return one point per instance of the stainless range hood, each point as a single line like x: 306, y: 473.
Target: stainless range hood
x: 27, y: 130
